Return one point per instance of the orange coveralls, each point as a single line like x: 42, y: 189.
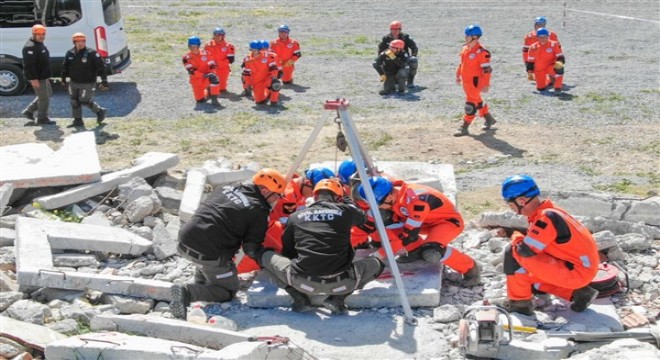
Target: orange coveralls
x: 199, y: 66
x: 422, y: 210
x: 541, y: 60
x: 259, y: 71
x: 474, y: 72
x: 223, y: 53
x: 289, y: 52
x: 557, y: 256
x: 530, y: 39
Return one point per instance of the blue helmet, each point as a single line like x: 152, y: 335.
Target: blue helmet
x: 265, y: 44
x: 519, y: 185
x: 541, y: 20
x: 194, y: 40
x: 346, y: 169
x: 473, y: 30
x: 542, y: 32
x: 255, y: 45
x: 219, y: 31
x: 283, y: 28
x: 317, y: 174
x: 382, y: 188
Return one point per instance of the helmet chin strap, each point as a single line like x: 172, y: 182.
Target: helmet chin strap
x: 519, y: 207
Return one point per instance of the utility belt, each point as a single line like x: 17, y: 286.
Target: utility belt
x: 325, y: 279
x: 202, y: 259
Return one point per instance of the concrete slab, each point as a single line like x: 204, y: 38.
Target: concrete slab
x: 601, y: 316
x: 192, y: 194
x: 31, y: 335
x: 221, y: 171
x: 37, y: 165
x: 114, y: 346
x: 7, y: 237
x: 169, y: 329
x: 257, y: 350
x: 422, y: 283
x: 6, y: 190
x: 645, y: 211
x: 149, y: 164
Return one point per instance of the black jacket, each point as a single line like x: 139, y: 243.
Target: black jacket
x: 410, y: 46
x: 36, y: 61
x: 384, y: 65
x: 83, y: 66
x: 318, y: 238
x: 228, y: 218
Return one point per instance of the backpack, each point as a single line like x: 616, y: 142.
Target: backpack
x: 609, y: 280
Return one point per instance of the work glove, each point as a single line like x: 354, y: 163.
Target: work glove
x: 524, y: 250
x: 559, y: 65
x: 289, y: 63
x: 530, y: 76
x: 390, y: 54
x: 383, y: 78
x: 407, y: 238
x: 104, y: 85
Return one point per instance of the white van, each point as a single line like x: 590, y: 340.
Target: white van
x: 100, y: 20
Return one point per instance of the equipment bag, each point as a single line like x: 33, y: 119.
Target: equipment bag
x: 609, y: 280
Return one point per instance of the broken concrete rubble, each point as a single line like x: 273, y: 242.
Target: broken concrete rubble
x: 32, y: 335
x: 192, y: 194
x: 6, y: 190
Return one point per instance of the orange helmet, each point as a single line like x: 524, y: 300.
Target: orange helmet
x: 271, y: 179
x: 397, y: 44
x: 78, y: 37
x: 38, y: 29
x: 332, y: 185
x: 396, y: 25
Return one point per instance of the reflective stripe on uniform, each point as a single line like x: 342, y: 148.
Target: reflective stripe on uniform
x: 448, y: 252
x: 413, y: 223
x: 533, y: 242
x: 521, y: 271
x: 585, y: 261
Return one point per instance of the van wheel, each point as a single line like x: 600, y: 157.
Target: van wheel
x: 12, y: 81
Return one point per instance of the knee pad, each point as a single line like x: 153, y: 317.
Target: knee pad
x: 510, y: 263
x: 413, y: 63
x: 74, y: 102
x: 381, y: 268
x: 213, y: 78
x: 560, y: 71
x: 470, y: 108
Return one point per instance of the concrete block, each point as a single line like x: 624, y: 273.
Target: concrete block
x: 128, y: 305
x: 166, y: 239
x: 97, y: 218
x: 7, y: 298
x: 422, y: 283
x: 75, y: 260
x: 142, y: 207
x: 600, y: 316
x: 600, y: 223
x: 505, y: 219
x: 8, y: 258
x: 169, y: 198
x: 256, y: 350
x: 605, y: 240
x: 36, y: 336
x: 36, y: 165
x: 147, y: 165
x: 586, y: 204
x: 646, y: 211
x: 6, y: 190
x: 192, y: 194
x: 9, y: 221
x: 29, y: 311
x: 170, y: 329
x: 7, y: 283
x: 7, y: 237
x: 175, y: 179
x: 113, y: 345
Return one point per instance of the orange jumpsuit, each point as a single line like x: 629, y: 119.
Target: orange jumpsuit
x: 289, y: 52
x: 557, y: 256
x: 541, y: 60
x: 258, y: 72
x: 422, y: 210
x: 530, y: 39
x: 199, y: 66
x: 223, y: 53
x: 474, y: 72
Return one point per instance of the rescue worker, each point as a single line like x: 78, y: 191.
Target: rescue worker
x: 474, y: 73
x: 231, y: 217
x: 223, y: 54
x: 317, y: 258
x: 82, y: 65
x: 276, y: 85
x: 531, y: 38
x: 409, y: 47
x: 36, y: 69
x: 296, y: 193
x: 201, y: 66
x: 392, y: 66
x: 260, y: 74
x: 545, y: 62
x: 422, y: 222
x: 558, y: 255
x: 288, y: 50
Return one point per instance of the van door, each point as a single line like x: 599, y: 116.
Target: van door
x: 109, y: 35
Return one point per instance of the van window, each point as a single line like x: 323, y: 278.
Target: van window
x: 63, y: 13
x: 25, y: 13
x: 111, y: 12
x: 17, y: 14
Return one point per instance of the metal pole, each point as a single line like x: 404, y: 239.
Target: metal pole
x: 359, y: 154
x: 305, y: 148
x: 350, y: 127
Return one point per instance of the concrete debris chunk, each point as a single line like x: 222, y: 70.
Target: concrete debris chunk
x: 75, y: 260
x: 446, y: 313
x: 192, y: 194
x: 646, y: 211
x: 29, y: 311
x: 623, y: 349
x: 141, y: 208
x: 65, y: 326
x: 7, y: 237
x: 8, y: 258
x: 7, y: 298
x: 7, y: 283
x: 169, y: 198
x: 505, y: 219
x: 6, y: 190
x: 605, y: 240
x: 633, y: 242
x: 96, y: 218
x: 128, y: 305
x: 30, y: 335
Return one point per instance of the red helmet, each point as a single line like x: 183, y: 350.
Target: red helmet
x: 38, y: 29
x: 396, y: 25
x: 397, y: 44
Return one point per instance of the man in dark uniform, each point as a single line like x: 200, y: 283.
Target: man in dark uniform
x: 36, y: 68
x: 231, y: 217
x: 410, y: 47
x: 392, y: 66
x: 82, y: 65
x: 317, y: 256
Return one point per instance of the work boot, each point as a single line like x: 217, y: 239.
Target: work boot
x: 77, y: 122
x: 582, y: 298
x: 473, y: 276
x: 524, y: 307
x: 288, y: 82
x: 431, y: 255
x: 28, y: 114
x: 180, y: 301
x: 246, y: 92
x: 335, y: 303
x: 463, y: 130
x: 100, y: 116
x: 45, y: 121
x: 557, y: 92
x: 214, y: 100
x: 411, y: 81
x: 273, y: 103
x: 490, y: 121
x: 384, y: 92
x: 409, y: 257
x: 301, y: 301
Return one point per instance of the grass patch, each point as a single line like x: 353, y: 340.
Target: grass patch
x: 589, y: 170
x: 625, y: 186
x: 650, y: 91
x: 383, y: 139
x: 652, y: 148
x: 601, y: 97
